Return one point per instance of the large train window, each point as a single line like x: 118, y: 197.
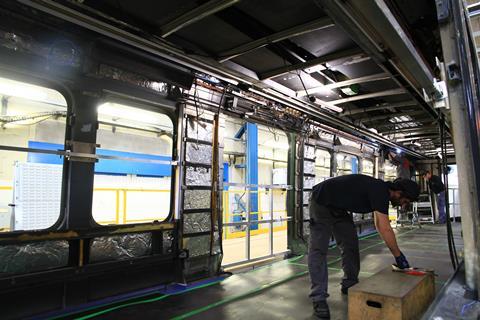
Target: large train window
x: 322, y: 165
x: 133, y: 181
x: 32, y: 138
x: 368, y: 167
x: 346, y: 164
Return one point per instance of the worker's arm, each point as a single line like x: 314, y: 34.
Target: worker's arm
x: 382, y: 223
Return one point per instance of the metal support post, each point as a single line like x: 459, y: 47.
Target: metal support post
x: 462, y: 67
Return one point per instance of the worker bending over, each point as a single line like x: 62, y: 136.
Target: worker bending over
x: 331, y: 203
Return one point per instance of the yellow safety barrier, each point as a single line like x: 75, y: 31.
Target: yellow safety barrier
x: 227, y: 215
x: 123, y: 193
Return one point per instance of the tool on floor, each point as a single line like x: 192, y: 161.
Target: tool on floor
x: 413, y: 271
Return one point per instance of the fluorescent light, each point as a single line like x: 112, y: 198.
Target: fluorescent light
x: 398, y: 150
x: 327, y: 105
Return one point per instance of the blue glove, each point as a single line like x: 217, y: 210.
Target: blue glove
x: 402, y: 262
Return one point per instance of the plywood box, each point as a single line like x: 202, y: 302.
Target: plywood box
x: 391, y: 295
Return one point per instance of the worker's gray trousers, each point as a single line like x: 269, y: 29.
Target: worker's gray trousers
x: 324, y: 221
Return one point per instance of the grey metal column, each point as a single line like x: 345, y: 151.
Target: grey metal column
x: 462, y: 91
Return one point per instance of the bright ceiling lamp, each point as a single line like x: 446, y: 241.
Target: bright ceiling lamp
x: 12, y: 88
x: 122, y: 112
x: 327, y: 105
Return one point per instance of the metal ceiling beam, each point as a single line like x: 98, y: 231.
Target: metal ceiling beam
x: 391, y: 92
x: 409, y: 129
x: 370, y: 78
x: 380, y: 107
x: 311, y: 63
x: 392, y: 124
x: 416, y: 137
x: 374, y: 27
x: 391, y: 115
x: 317, y: 24
x: 195, y: 15
x: 172, y: 54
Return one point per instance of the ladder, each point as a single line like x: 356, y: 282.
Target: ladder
x: 424, y: 208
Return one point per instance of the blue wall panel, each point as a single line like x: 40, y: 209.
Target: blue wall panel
x: 107, y: 166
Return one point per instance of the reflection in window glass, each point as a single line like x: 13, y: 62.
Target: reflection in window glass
x: 346, y: 164
x: 136, y: 187
x: 30, y: 183
x: 322, y: 165
x: 367, y: 167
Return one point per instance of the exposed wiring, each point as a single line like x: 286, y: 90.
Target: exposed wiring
x: 310, y: 98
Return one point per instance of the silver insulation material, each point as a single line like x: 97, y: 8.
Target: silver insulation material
x: 199, y: 130
x: 120, y: 247
x: 132, y: 78
x: 308, y: 167
x: 217, y: 249
x: 197, y: 199
x: 309, y: 152
x: 197, y: 176
x: 306, y: 197
x: 23, y: 258
x: 308, y: 182
x: 306, y: 213
x: 197, y: 222
x: 197, y: 246
x: 199, y: 153
x: 306, y: 229
x: 167, y: 243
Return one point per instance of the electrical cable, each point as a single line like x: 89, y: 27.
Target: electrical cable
x: 450, y: 239
x: 305, y: 88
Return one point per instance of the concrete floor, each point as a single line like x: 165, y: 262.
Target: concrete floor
x: 280, y: 290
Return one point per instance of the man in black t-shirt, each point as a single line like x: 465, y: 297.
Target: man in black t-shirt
x: 436, y: 185
x: 330, y: 204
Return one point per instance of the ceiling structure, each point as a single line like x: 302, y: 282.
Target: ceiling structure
x: 369, y: 64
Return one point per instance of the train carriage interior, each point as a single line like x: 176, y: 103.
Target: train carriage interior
x: 159, y: 159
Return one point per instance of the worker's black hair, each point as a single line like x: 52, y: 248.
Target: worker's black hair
x: 409, y: 188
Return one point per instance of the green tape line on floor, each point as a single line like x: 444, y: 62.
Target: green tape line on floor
x: 95, y: 314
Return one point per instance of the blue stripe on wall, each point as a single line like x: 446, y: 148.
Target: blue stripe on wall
x: 106, y: 166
